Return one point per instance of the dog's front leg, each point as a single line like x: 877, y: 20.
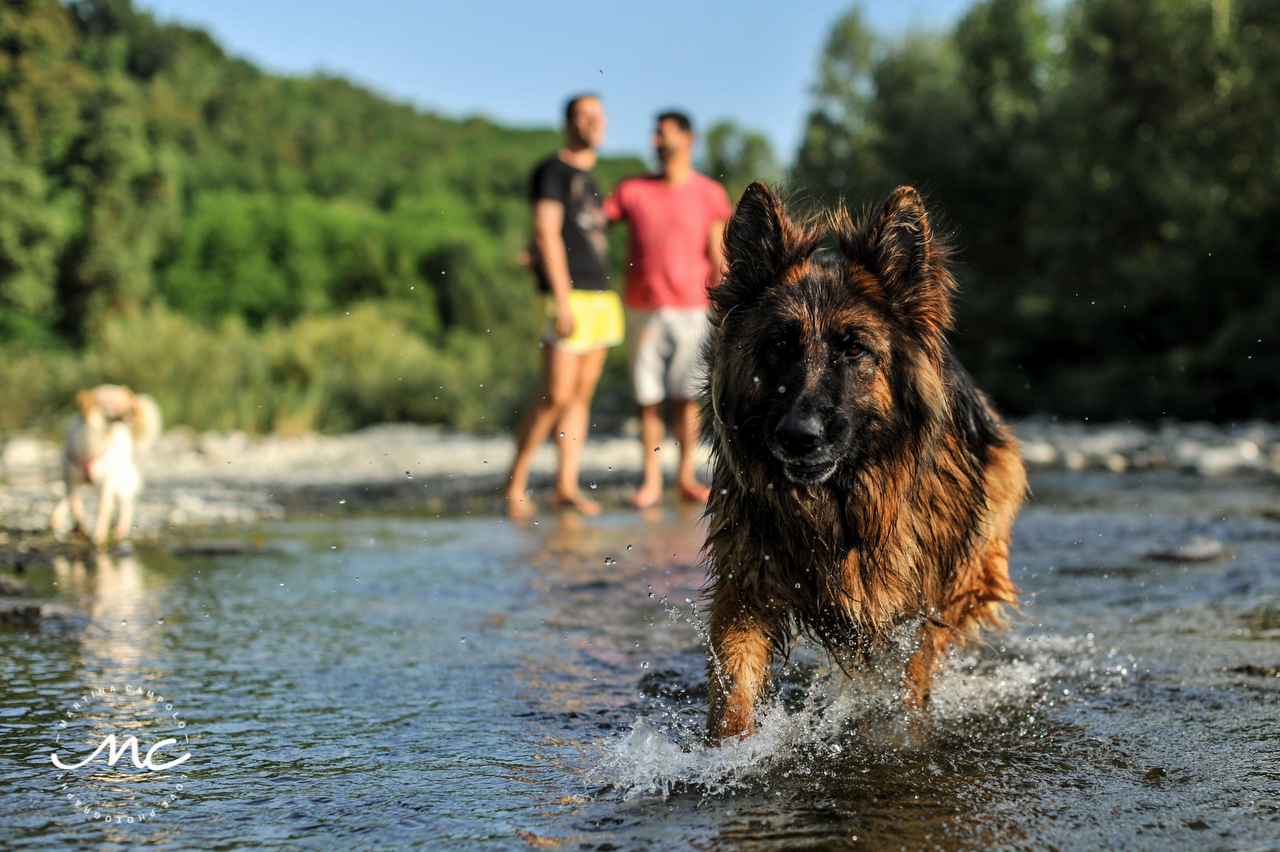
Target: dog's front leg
x: 103, y: 524
x: 125, y: 523
x: 918, y: 679
x: 741, y: 652
x: 58, y: 520
x: 77, y: 507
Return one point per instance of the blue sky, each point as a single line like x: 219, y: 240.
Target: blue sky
x: 515, y: 61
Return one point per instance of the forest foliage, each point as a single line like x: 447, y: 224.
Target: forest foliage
x: 260, y: 252
x: 280, y: 253
x: 1110, y: 170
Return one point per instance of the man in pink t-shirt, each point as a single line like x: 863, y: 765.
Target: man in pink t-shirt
x: 677, y: 223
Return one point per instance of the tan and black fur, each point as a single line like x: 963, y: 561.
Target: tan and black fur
x: 862, y: 481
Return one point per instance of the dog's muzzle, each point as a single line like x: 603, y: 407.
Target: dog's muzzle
x: 799, y: 441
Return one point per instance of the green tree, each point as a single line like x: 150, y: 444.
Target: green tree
x: 736, y: 157
x: 1110, y: 172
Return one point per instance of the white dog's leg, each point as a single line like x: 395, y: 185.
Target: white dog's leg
x: 77, y: 507
x: 107, y: 495
x: 58, y: 520
x: 124, y: 526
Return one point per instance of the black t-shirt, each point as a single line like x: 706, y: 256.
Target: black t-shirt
x: 584, y: 222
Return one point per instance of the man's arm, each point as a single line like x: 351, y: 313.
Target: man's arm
x: 715, y: 252
x: 612, y: 205
x: 548, y: 220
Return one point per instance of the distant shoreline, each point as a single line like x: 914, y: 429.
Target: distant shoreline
x: 196, y: 481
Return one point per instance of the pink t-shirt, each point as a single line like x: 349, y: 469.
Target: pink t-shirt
x: 670, y: 235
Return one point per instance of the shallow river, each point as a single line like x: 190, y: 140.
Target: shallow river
x: 468, y: 683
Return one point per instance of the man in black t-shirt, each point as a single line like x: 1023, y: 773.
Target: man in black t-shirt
x: 583, y: 316
x: 583, y: 230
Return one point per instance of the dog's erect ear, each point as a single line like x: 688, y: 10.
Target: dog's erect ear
x: 760, y: 243
x: 911, y: 263
x: 87, y: 402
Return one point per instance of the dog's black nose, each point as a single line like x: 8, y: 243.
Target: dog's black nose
x: 800, y: 434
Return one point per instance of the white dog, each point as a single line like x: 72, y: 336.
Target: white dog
x: 100, y: 442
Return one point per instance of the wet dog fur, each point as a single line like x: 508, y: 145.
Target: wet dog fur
x: 113, y: 422
x: 861, y: 481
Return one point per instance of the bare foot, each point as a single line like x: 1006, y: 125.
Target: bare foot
x: 695, y: 492
x: 647, y: 496
x: 520, y: 506
x: 575, y: 500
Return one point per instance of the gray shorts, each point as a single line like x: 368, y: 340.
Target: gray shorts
x: 666, y: 353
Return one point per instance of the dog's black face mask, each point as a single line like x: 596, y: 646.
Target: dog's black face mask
x: 821, y: 367
x: 829, y: 357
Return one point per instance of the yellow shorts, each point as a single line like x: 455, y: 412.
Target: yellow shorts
x: 597, y: 320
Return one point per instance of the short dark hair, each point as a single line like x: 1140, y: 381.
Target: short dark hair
x: 571, y: 105
x: 682, y: 121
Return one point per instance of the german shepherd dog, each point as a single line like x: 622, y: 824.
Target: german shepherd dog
x: 861, y: 481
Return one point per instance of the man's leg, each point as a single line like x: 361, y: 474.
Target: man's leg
x: 559, y: 377
x: 685, y: 425
x: 650, y: 349
x: 686, y: 383
x: 651, y: 430
x: 574, y: 424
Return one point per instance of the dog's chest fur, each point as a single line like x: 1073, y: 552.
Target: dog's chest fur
x: 853, y: 557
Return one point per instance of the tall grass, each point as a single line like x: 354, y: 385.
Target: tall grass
x: 330, y: 373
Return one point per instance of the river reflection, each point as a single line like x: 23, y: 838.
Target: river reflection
x: 470, y: 683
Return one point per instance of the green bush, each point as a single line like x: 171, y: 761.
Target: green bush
x: 329, y: 373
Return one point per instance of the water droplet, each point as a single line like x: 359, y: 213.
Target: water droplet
x: 645, y: 664
x: 408, y: 475
x: 561, y: 434
x: 755, y: 379
x: 655, y: 449
x: 123, y: 622
x: 628, y: 547
x: 797, y: 585
x: 464, y: 640
x: 282, y: 585
x: 593, y: 485
x: 782, y: 388
x: 342, y: 502
x: 159, y: 621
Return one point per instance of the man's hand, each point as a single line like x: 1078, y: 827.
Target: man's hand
x: 715, y: 252
x: 548, y: 219
x: 565, y: 323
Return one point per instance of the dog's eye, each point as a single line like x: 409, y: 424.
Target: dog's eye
x: 782, y: 347
x: 852, y: 348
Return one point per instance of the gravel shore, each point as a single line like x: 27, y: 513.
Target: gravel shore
x: 195, y: 480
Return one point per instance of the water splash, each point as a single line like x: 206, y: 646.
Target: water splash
x: 818, y: 715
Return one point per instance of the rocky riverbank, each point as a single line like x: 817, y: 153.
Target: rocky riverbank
x: 195, y: 480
